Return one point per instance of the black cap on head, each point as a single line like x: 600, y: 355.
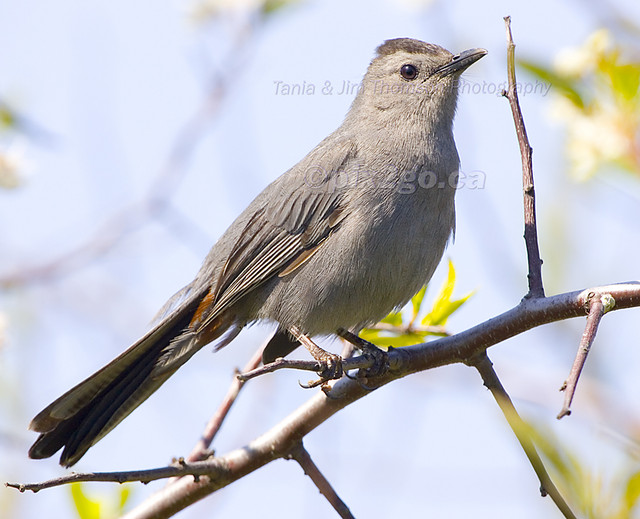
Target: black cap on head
x: 408, y: 45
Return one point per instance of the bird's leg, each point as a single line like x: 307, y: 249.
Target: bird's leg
x: 380, y: 357
x: 332, y: 364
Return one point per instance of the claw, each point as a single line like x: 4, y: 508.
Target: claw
x: 326, y: 389
x: 331, y: 370
x: 380, y: 357
x: 312, y: 383
x: 330, y: 364
x: 380, y: 362
x: 362, y: 382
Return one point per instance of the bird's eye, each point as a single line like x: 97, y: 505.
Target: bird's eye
x: 409, y: 71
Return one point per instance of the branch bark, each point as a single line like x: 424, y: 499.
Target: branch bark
x: 519, y: 427
x: 201, y: 450
x: 598, y: 306
x: 469, y: 347
x: 303, y: 458
x: 216, y: 473
x: 536, y: 288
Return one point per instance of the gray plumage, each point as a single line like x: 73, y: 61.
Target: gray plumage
x: 349, y: 233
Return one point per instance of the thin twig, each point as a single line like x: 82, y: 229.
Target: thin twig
x: 177, y: 469
x: 279, y: 441
x: 598, y: 306
x: 482, y: 363
x: 201, y: 450
x: 300, y: 454
x: 358, y: 362
x: 536, y: 288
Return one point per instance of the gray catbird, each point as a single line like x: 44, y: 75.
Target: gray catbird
x: 349, y: 233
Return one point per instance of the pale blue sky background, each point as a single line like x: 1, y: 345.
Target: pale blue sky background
x: 112, y: 84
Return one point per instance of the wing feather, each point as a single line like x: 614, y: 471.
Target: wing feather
x: 280, y: 237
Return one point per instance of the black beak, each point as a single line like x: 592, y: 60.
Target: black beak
x: 461, y: 61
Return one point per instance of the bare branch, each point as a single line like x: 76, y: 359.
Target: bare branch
x: 300, y: 454
x: 285, y: 439
x: 176, y: 469
x: 201, y: 450
x: 536, y: 288
x: 492, y: 382
x: 528, y: 314
x: 358, y: 362
x: 598, y: 306
x: 275, y: 443
x: 215, y: 473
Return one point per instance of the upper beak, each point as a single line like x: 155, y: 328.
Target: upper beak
x: 461, y: 61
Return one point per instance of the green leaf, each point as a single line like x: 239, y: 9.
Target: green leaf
x: 399, y: 341
x: 397, y: 333
x: 416, y: 302
x: 443, y: 306
x: 125, y: 494
x: 394, y: 319
x: 451, y: 307
x: 573, y: 475
x: 597, y: 496
x: 7, y: 117
x: 271, y: 6
x: 445, y: 292
x: 547, y: 444
x: 111, y: 506
x: 565, y: 86
x: 632, y: 492
x: 386, y: 339
x: 87, y: 508
x: 369, y: 334
x: 625, y: 80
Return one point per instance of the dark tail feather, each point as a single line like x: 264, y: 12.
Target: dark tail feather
x: 87, y: 412
x: 280, y: 345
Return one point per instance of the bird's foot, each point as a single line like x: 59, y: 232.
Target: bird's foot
x: 379, y: 357
x: 330, y: 364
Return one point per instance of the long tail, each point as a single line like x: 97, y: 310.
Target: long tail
x: 87, y: 412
